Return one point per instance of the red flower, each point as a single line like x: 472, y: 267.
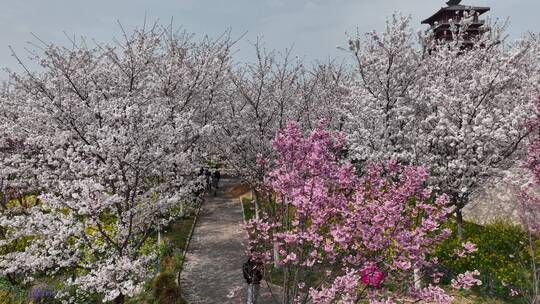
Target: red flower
x: 372, y: 276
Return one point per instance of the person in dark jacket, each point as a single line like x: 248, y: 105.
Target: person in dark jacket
x: 252, y: 271
x: 208, y: 175
x: 215, y: 180
x: 217, y: 176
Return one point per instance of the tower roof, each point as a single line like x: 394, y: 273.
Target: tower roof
x: 479, y: 9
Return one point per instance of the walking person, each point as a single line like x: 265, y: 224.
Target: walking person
x: 217, y: 176
x: 208, y: 175
x: 252, y: 271
x: 215, y: 180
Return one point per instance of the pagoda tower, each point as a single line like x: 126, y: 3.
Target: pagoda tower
x: 441, y: 21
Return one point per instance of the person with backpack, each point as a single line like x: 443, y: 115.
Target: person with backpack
x: 252, y: 271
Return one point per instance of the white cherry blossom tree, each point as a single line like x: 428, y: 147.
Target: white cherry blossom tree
x: 457, y: 108
x: 113, y: 130
x: 263, y: 97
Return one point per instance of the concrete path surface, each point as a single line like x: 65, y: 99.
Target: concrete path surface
x: 213, y: 267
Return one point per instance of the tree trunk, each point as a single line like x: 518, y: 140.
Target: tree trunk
x: 243, y: 211
x: 256, y: 195
x: 459, y: 223
x: 534, y: 271
x: 276, y: 255
x: 3, y: 202
x: 285, y: 294
x: 119, y: 299
x: 417, y: 279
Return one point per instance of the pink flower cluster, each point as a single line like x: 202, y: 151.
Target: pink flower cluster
x: 529, y: 203
x: 434, y: 294
x: 529, y: 210
x: 344, y: 288
x: 467, y: 248
x: 466, y: 280
x: 327, y: 219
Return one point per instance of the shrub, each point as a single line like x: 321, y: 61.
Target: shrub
x: 10, y: 292
x: 41, y: 295
x: 166, y: 249
x: 502, y: 257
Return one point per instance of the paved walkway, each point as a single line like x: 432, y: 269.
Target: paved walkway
x: 213, y: 268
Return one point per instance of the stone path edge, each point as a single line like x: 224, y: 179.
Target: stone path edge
x: 188, y: 241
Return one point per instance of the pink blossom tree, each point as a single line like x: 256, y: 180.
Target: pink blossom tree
x: 529, y: 208
x: 344, y: 237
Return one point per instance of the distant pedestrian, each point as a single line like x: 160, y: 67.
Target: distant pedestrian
x: 252, y: 271
x: 207, y: 175
x: 216, y: 175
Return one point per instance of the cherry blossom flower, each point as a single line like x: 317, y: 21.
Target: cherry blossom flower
x: 466, y: 280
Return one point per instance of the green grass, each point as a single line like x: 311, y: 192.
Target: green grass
x: 178, y: 232
x: 9, y: 293
x: 471, y: 297
x: 503, y: 257
x: 249, y: 208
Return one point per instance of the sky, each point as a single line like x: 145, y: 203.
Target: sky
x: 313, y: 28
